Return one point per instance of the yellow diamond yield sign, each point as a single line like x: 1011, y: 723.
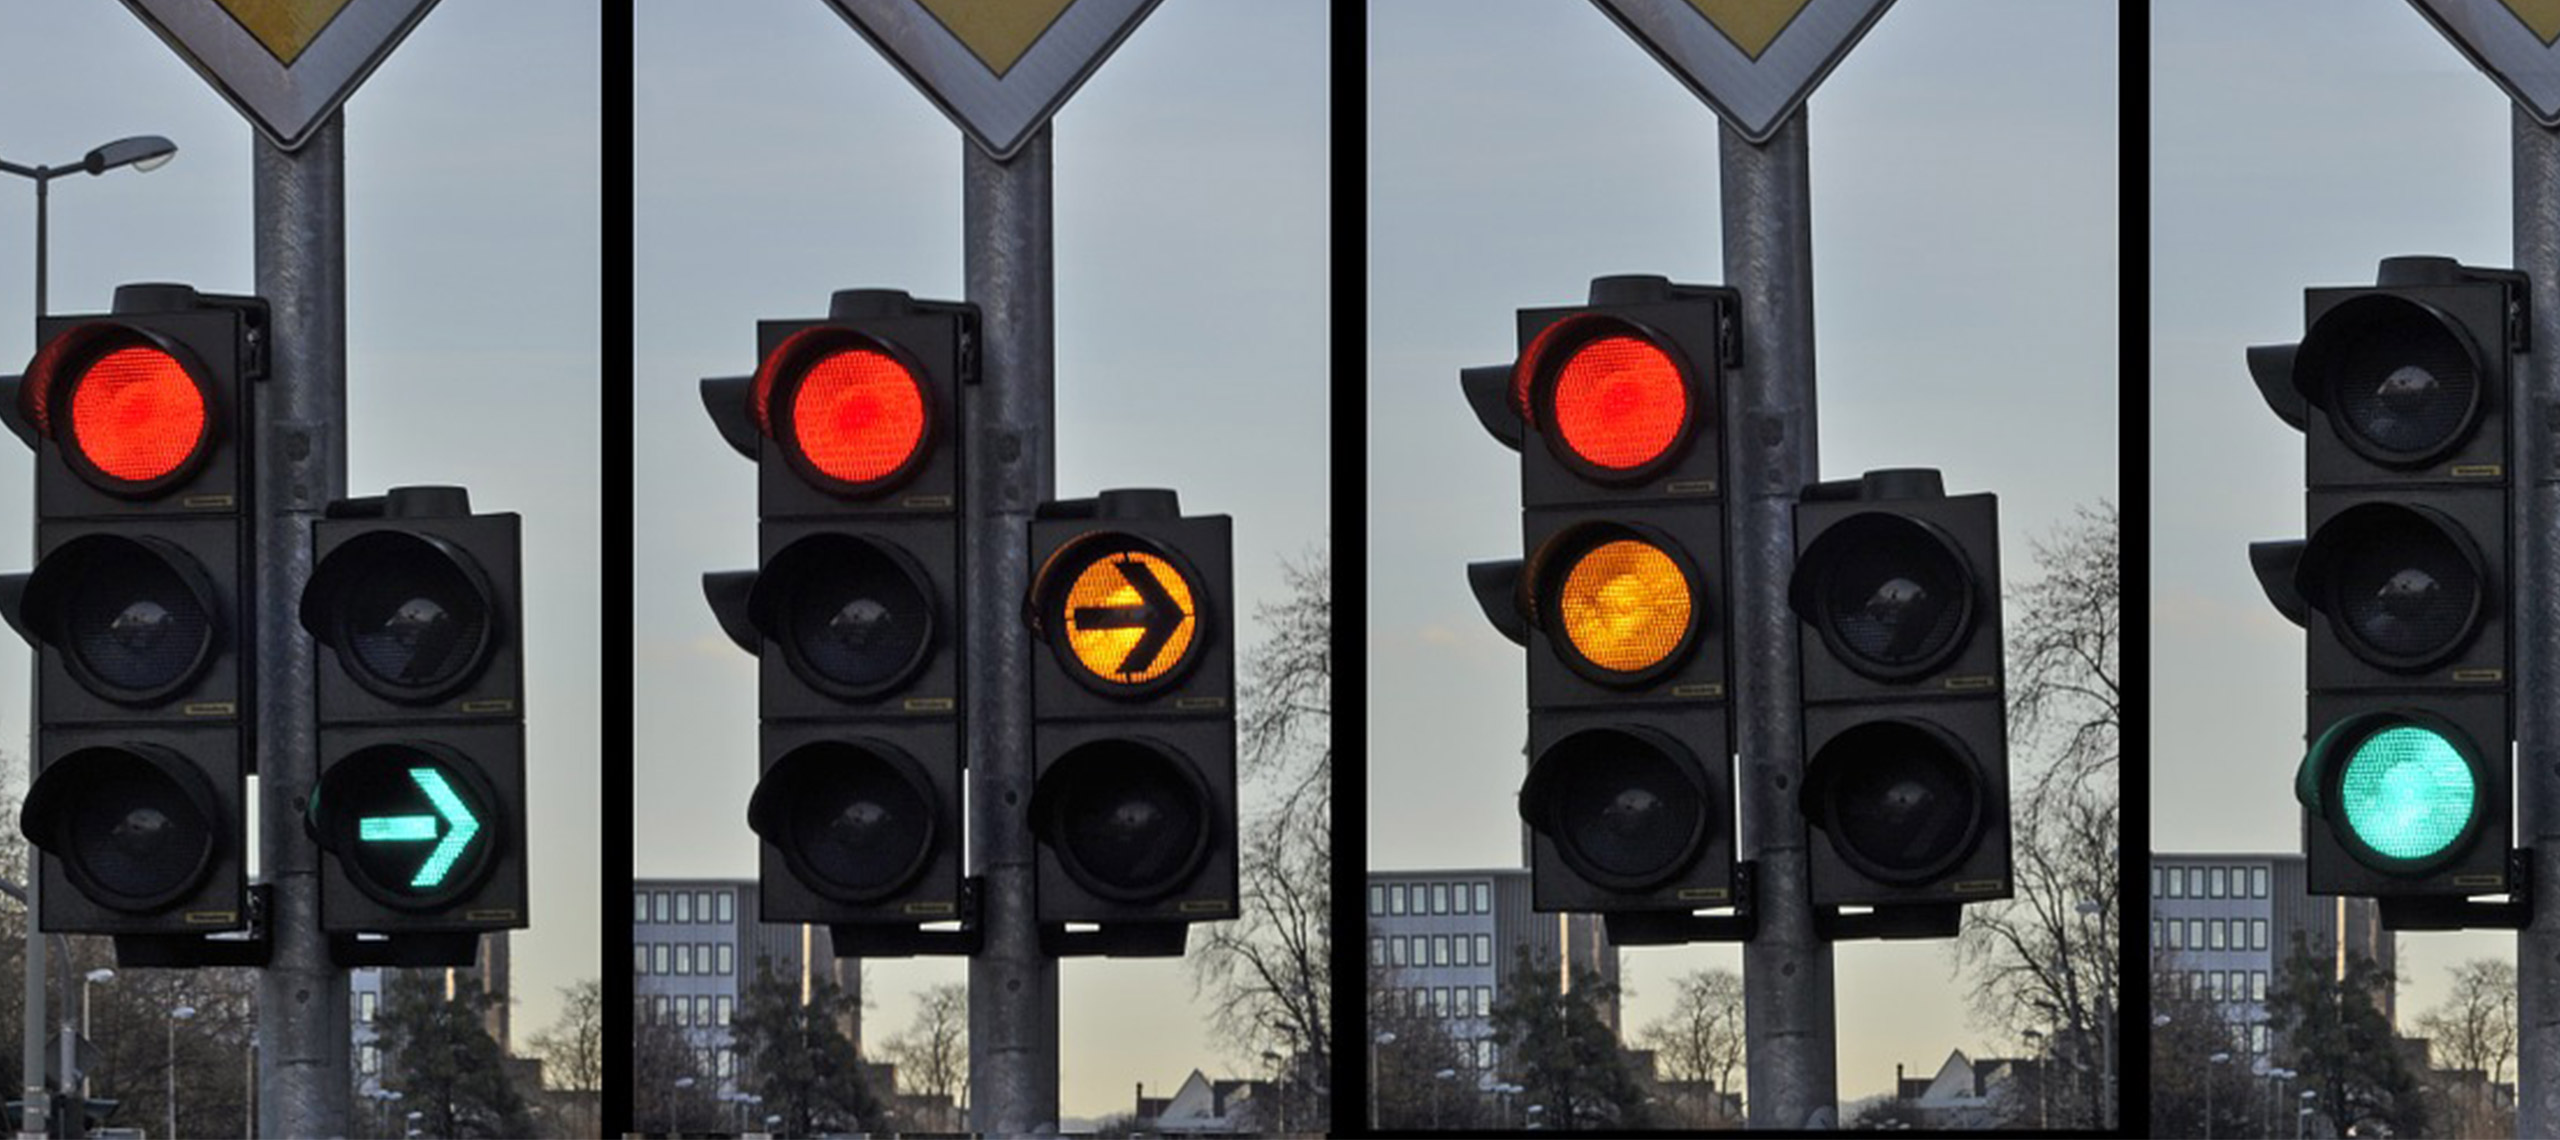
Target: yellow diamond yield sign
x: 997, y: 34
x: 1750, y: 24
x: 2513, y: 41
x: 998, y: 68
x: 1754, y: 61
x: 285, y: 64
x: 284, y: 26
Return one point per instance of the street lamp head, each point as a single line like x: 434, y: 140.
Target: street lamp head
x: 183, y: 1012
x: 102, y: 974
x: 1386, y: 1037
x: 141, y: 152
x: 2159, y: 1019
x: 684, y: 1082
x: 2219, y: 1058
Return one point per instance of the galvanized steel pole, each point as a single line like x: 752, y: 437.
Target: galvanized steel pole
x: 299, y: 202
x: 1786, y: 968
x: 1010, y: 469
x: 2536, y: 588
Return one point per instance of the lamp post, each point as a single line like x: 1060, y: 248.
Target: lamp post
x: 1437, y: 1080
x: 141, y: 152
x: 1384, y: 1037
x: 680, y: 1083
x: 1279, y: 1076
x: 177, y: 1015
x: 2302, y: 1119
x: 2210, y: 1062
x: 101, y: 974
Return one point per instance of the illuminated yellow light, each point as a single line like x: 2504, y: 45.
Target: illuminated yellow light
x: 1625, y: 606
x: 1130, y: 617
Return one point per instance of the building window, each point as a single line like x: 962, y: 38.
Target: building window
x: 684, y: 958
x: 1377, y: 899
x: 1377, y: 951
x: 665, y: 953
x: 640, y: 906
x: 641, y: 951
x: 1439, y: 949
x: 728, y: 954
x: 726, y: 1007
x: 2155, y: 883
x: 702, y: 1009
x: 1396, y: 945
x: 2195, y: 882
x: 2195, y: 934
x: 684, y: 906
x: 2257, y: 985
x: 1484, y: 898
x: 2177, y: 935
x: 2257, y: 1038
x: 1439, y: 898
x: 1440, y: 1000
x: 2257, y: 882
x: 1484, y: 1001
x: 663, y: 1017
x: 661, y: 905
x: 364, y: 1006
x: 2215, y: 926
x: 1484, y: 950
x: 684, y: 1012
x: 2177, y: 886
x: 728, y: 906
x: 2257, y: 934
x: 1395, y: 899
x: 702, y: 906
x: 2221, y: 882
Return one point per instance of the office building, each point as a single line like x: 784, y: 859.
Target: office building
x: 2221, y: 926
x: 696, y: 945
x: 1447, y: 941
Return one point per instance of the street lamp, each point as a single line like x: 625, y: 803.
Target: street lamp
x: 1438, y: 1079
x: 2036, y: 1037
x: 141, y: 152
x: 2302, y: 1119
x: 101, y: 974
x: 1279, y: 1076
x: 1384, y: 1037
x: 177, y: 1015
x: 2211, y: 1061
x: 680, y: 1083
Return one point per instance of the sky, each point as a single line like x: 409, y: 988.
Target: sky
x: 473, y: 170
x: 1964, y: 202
x: 2294, y: 144
x: 778, y: 158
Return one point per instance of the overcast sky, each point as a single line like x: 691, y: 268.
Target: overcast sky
x: 472, y: 174
x: 779, y: 158
x: 1964, y: 183
x: 2293, y: 144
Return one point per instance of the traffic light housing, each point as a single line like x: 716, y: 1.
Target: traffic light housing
x: 854, y: 613
x: 1623, y: 599
x: 416, y: 607
x: 1133, y: 713
x: 1906, y: 776
x: 2403, y: 391
x: 142, y: 424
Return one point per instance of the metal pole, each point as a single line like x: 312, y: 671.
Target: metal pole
x: 2536, y: 526
x: 171, y: 1059
x: 1010, y: 470
x: 44, y: 177
x: 33, y: 1123
x: 300, y: 206
x: 1786, y: 969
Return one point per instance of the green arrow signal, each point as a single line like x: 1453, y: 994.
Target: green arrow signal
x: 460, y: 827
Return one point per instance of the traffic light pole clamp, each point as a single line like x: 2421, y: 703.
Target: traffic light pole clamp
x: 1676, y: 928
x: 2433, y: 913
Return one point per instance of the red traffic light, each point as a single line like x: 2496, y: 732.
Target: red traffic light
x: 1619, y: 403
x: 137, y: 415
x: 851, y: 413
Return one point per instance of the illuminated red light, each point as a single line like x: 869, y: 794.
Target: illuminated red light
x: 136, y: 415
x: 858, y: 416
x: 1620, y: 403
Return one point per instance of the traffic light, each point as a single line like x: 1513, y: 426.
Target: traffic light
x: 1897, y: 594
x: 417, y: 608
x: 1623, y: 599
x: 2402, y: 391
x: 141, y: 424
x: 1133, y: 712
x: 854, y: 614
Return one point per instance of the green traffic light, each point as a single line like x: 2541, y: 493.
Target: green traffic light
x: 2407, y: 793
x: 461, y: 826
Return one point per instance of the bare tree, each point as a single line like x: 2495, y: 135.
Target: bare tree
x: 1270, y: 971
x: 572, y: 1052
x: 2064, y: 700
x: 933, y: 1054
x: 1700, y: 1042
x: 2475, y: 1029
x: 2044, y: 962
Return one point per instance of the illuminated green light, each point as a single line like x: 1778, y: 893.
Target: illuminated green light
x: 460, y: 827
x: 2407, y: 793
x: 395, y: 828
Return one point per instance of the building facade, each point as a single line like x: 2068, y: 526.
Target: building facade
x: 2222, y: 924
x: 365, y: 985
x: 696, y: 946
x: 1447, y: 940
